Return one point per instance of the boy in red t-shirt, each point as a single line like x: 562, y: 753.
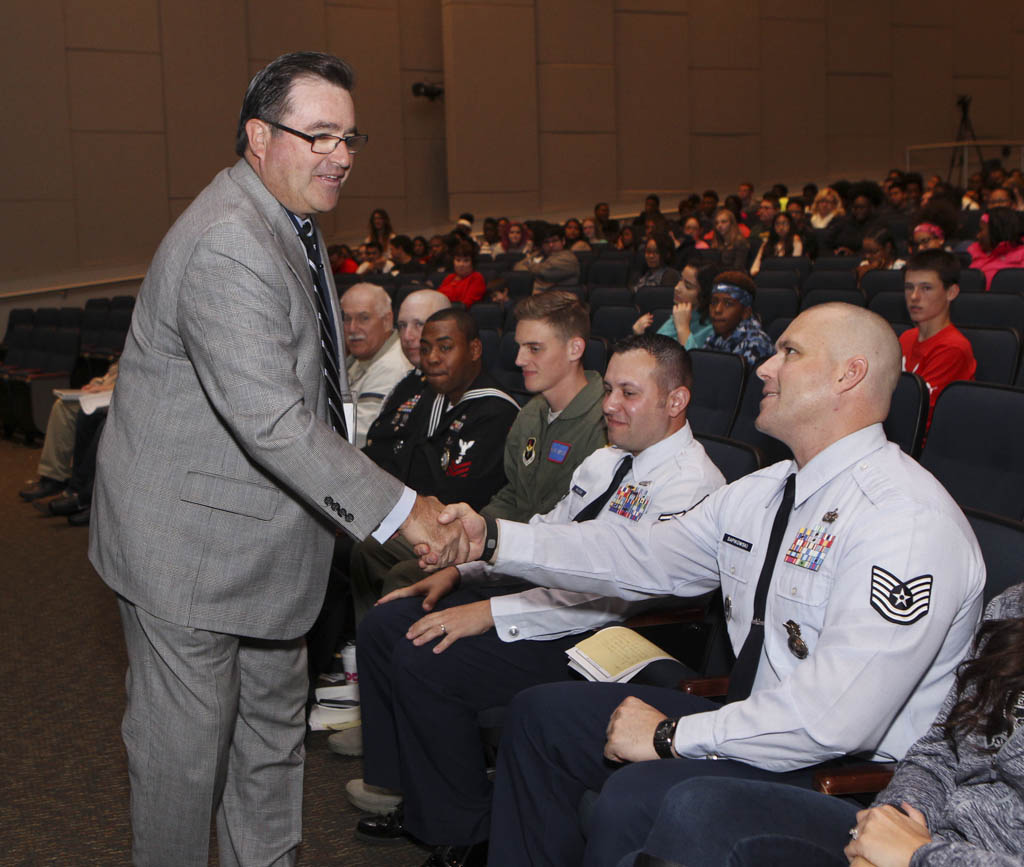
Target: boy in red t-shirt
x: 935, y: 350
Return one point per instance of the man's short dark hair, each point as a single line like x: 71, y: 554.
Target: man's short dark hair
x: 771, y: 199
x: 710, y: 194
x: 654, y: 197
x: 673, y: 361
x: 554, y: 232
x: 267, y: 95
x: 942, y: 262
x: 403, y: 243
x: 463, y: 321
x: 563, y: 311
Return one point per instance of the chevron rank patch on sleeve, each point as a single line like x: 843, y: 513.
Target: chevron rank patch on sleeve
x: 902, y: 602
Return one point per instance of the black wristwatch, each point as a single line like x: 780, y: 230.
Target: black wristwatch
x: 664, y: 734
x: 490, y: 539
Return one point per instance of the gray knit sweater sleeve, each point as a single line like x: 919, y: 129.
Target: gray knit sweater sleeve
x: 936, y: 780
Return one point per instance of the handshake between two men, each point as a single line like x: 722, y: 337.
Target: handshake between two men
x: 444, y: 535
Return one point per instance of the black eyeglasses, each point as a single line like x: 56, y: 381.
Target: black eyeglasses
x: 326, y: 144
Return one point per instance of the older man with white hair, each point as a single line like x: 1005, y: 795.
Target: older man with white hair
x: 376, y: 363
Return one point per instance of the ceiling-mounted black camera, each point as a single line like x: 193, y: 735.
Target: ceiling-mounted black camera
x: 432, y: 92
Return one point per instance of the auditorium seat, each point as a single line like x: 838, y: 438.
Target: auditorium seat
x: 816, y: 280
x: 769, y: 278
x: 997, y: 352
x: 733, y: 458
x: 743, y: 428
x: 891, y: 306
x: 985, y: 310
x: 813, y: 297
x: 877, y: 281
x: 972, y: 280
x: 718, y: 383
x: 610, y: 296
x: 771, y: 304
x: 800, y: 264
x: 613, y: 322
x: 908, y: 413
x: 651, y: 298
x: 974, y: 447
x: 1009, y: 280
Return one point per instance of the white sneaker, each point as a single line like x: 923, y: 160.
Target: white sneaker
x: 347, y: 742
x: 372, y: 799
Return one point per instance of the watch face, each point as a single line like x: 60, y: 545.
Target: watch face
x: 663, y: 736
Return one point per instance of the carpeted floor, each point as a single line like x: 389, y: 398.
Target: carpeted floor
x: 65, y: 786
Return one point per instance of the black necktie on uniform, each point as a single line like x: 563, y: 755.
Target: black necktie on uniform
x: 328, y: 337
x: 741, y: 681
x: 592, y: 509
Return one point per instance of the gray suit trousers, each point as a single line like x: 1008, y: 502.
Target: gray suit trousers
x: 213, y: 723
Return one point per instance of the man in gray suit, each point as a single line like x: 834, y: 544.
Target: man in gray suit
x: 223, y: 480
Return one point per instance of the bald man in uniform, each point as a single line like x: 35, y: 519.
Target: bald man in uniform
x: 852, y: 585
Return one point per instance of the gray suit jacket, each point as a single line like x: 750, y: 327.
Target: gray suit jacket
x: 219, y: 483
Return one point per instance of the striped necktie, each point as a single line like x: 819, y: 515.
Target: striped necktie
x: 328, y: 337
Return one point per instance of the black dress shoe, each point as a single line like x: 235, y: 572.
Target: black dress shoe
x: 66, y: 504
x: 44, y: 486
x: 458, y: 856
x: 383, y: 829
x: 80, y: 519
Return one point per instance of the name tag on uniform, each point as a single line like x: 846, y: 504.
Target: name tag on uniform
x: 578, y: 491
x: 810, y: 547
x: 729, y: 539
x: 558, y: 452
x: 630, y: 501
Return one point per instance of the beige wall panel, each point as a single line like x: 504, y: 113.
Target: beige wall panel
x: 491, y: 131
x: 794, y: 10
x: 725, y: 101
x: 1017, y: 85
x: 24, y: 249
x: 118, y: 25
x: 729, y: 41
x: 378, y: 95
x: 37, y: 159
x: 855, y: 156
x: 858, y: 36
x: 986, y: 52
x: 793, y: 107
x: 515, y: 206
x: 721, y: 161
x: 276, y: 28
x: 487, y: 3
x: 990, y: 97
x: 677, y: 6
x: 178, y: 206
x: 121, y: 187
x: 420, y: 22
x: 576, y: 98
x: 576, y: 169
x: 115, y: 91
x: 575, y: 31
x: 205, y: 76
x: 922, y: 94
x: 653, y: 125
x: 368, y: 4
x: 351, y: 217
x: 923, y: 13
x: 859, y: 123
x: 859, y: 104
x: 421, y: 118
x: 426, y: 181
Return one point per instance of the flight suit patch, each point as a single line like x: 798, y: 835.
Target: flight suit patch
x: 558, y: 452
x: 530, y: 451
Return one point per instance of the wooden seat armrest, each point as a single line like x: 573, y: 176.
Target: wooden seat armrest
x: 709, y: 687
x: 865, y: 778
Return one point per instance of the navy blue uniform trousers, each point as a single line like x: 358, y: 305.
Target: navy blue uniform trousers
x: 419, y: 712
x: 552, y: 751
